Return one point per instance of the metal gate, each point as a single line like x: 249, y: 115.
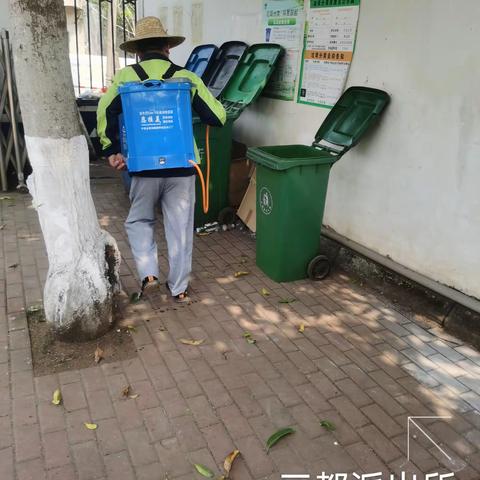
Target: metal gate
x: 12, y: 144
x: 96, y: 28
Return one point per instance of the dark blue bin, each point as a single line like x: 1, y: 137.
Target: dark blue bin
x: 157, y: 124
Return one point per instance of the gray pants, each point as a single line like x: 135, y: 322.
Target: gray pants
x: 176, y: 195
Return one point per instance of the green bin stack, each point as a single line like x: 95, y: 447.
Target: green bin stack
x: 250, y: 77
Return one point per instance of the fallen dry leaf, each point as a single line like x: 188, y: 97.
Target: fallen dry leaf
x: 126, y: 391
x: 91, y: 426
x: 57, y: 397
x: 227, y: 464
x: 136, y: 395
x: 194, y: 343
x: 240, y: 274
x: 287, y: 300
x: 34, y: 308
x: 2, y: 226
x: 131, y: 328
x: 301, y: 328
x: 98, y: 355
x: 265, y: 292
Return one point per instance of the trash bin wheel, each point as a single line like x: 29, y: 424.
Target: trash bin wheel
x: 318, y: 268
x: 227, y: 216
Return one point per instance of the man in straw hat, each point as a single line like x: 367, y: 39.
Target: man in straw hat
x: 174, y: 188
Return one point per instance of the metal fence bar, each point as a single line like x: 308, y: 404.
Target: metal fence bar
x: 89, y: 45
x: 124, y: 29
x: 113, y: 29
x: 76, y: 42
x: 101, y: 39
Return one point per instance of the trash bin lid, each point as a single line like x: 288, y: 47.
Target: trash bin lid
x: 355, y: 111
x: 284, y: 157
x: 254, y: 69
x: 200, y: 59
x: 224, y: 66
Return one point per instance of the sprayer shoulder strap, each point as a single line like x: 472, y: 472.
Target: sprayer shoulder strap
x: 170, y: 71
x: 141, y: 73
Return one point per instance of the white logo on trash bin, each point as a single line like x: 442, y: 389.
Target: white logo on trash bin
x: 266, y: 201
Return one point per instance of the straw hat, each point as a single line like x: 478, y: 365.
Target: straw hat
x: 150, y: 27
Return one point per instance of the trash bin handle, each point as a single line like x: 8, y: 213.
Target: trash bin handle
x: 152, y: 83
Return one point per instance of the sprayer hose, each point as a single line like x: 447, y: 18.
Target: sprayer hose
x: 205, y: 183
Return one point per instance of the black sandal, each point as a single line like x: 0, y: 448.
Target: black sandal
x: 181, y: 297
x: 149, y: 284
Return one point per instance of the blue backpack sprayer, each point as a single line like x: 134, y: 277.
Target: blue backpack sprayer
x: 156, y: 128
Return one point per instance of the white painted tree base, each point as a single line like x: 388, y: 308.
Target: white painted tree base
x: 80, y: 282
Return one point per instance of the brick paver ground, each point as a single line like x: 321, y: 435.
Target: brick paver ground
x: 358, y: 364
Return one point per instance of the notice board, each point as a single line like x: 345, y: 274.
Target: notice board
x: 284, y: 24
x: 330, y: 33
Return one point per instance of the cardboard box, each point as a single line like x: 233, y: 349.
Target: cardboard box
x: 247, y: 211
x: 239, y: 179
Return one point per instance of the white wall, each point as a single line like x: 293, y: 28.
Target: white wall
x: 4, y: 14
x: 221, y: 20
x: 410, y: 190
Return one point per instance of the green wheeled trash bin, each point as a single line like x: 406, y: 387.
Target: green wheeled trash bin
x: 292, y: 185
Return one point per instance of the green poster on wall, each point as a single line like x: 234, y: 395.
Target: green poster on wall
x: 284, y: 24
x: 330, y: 32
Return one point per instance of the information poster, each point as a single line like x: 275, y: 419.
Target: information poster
x: 284, y: 24
x: 328, y: 49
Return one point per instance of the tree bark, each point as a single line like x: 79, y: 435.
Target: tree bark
x: 83, y: 260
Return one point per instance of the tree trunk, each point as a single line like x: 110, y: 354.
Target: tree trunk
x: 83, y: 259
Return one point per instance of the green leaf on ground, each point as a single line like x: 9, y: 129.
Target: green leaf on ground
x: 265, y: 292
x: 203, y: 470
x: 278, y: 436
x: 327, y: 425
